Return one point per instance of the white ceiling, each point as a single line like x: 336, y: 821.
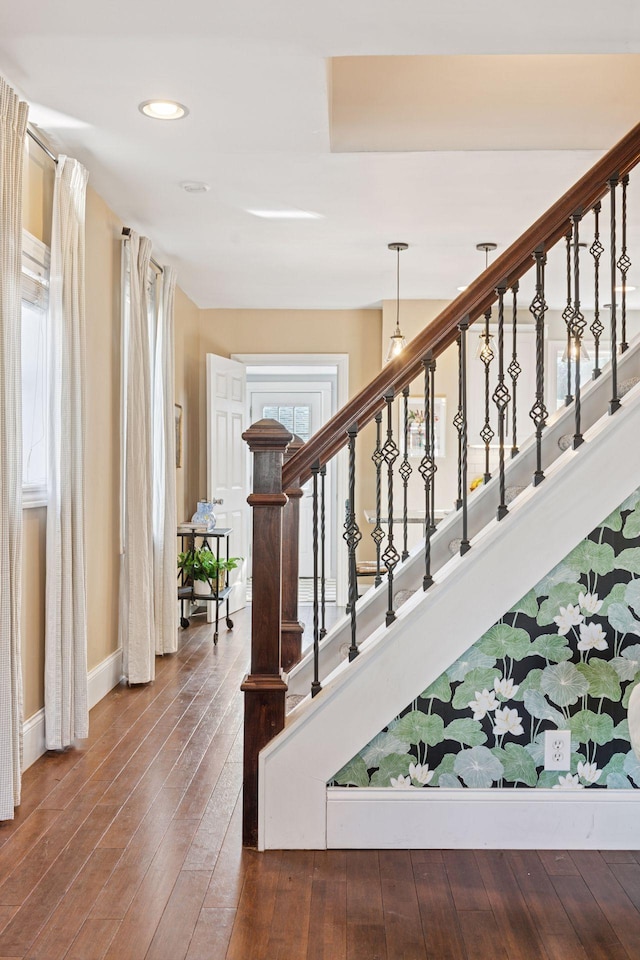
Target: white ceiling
x: 255, y: 78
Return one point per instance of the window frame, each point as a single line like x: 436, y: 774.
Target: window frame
x: 36, y: 262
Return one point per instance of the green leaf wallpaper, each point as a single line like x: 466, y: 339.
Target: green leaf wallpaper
x: 566, y: 656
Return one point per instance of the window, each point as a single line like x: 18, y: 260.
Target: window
x: 35, y: 296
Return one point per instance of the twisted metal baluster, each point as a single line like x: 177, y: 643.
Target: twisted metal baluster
x: 316, y: 686
x: 323, y: 582
x: 390, y: 556
x: 352, y: 537
x: 377, y: 534
x: 427, y: 468
x: 614, y: 403
x: 501, y: 399
x: 514, y: 369
x: 487, y: 434
x: 567, y: 316
x: 405, y: 472
x: 596, y: 250
x: 434, y: 452
x: 457, y: 422
x: 538, y: 412
x: 578, y: 324
x: 623, y: 266
x: 463, y: 326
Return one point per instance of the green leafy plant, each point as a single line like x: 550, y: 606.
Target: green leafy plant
x: 202, y: 564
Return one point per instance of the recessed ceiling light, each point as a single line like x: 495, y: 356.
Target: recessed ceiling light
x: 195, y: 186
x: 293, y: 214
x: 163, y: 109
x: 462, y: 289
x: 629, y: 288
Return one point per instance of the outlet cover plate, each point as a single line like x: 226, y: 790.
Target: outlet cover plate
x: 557, y: 749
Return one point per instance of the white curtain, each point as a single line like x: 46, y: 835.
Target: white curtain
x: 13, y: 125
x: 65, y: 678
x: 137, y: 607
x: 164, y: 464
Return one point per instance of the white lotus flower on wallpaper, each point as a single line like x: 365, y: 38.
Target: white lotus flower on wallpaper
x: 570, y: 782
x: 588, y: 772
x: 401, y: 781
x: 589, y: 602
x: 421, y: 772
x: 568, y: 617
x: 505, y: 687
x: 508, y: 721
x: 483, y: 704
x: 592, y: 637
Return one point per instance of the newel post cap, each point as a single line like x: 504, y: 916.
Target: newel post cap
x: 296, y: 444
x: 267, y: 435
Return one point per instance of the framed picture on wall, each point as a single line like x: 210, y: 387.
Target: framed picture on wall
x: 416, y: 439
x: 178, y: 427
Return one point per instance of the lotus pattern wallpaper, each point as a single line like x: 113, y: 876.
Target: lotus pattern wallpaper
x: 567, y: 656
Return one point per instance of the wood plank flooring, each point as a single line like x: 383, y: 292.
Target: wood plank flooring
x: 128, y: 848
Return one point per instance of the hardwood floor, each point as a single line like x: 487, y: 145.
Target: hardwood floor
x: 128, y: 848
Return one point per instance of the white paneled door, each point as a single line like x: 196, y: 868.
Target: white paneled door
x: 226, y: 462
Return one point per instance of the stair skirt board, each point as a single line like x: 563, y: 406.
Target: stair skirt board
x: 398, y: 662
x: 519, y: 471
x: 527, y: 819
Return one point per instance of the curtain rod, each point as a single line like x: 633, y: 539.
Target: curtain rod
x: 126, y: 231
x: 42, y: 145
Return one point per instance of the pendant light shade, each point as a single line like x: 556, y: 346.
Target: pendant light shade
x: 397, y: 341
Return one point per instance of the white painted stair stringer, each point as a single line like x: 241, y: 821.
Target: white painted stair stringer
x: 482, y: 506
x: 433, y: 629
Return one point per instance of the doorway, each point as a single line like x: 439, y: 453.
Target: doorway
x: 303, y: 391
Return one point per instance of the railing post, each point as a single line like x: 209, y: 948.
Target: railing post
x: 264, y: 689
x: 292, y: 629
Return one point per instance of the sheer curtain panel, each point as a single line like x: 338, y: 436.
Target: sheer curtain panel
x: 164, y: 469
x: 66, y: 708
x: 13, y: 125
x: 137, y: 608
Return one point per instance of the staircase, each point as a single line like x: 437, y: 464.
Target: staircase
x: 576, y: 469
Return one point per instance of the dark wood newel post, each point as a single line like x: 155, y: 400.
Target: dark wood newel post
x: 264, y: 689
x: 292, y: 629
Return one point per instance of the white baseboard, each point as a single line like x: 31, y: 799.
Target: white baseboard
x: 100, y: 681
x: 526, y: 819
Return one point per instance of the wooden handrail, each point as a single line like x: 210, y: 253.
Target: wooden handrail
x: 472, y: 303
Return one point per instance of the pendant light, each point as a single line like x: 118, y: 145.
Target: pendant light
x: 397, y: 341
x: 486, y: 350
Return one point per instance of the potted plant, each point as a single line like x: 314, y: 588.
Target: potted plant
x: 202, y: 568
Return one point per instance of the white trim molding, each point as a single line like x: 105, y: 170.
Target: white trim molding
x: 527, y: 819
x: 100, y: 681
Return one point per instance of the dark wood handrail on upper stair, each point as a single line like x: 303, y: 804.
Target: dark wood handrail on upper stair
x: 472, y: 303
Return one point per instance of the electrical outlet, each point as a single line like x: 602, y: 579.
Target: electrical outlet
x: 557, y: 749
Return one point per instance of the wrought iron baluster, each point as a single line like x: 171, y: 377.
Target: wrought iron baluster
x: 567, y: 316
x: 596, y: 250
x: 432, y: 432
x: 377, y: 534
x: 514, y: 370
x: 390, y: 556
x: 323, y: 541
x: 623, y: 266
x: 428, y: 466
x: 405, y: 472
x: 457, y: 422
x: 614, y: 403
x: 501, y: 399
x: 315, y: 684
x: 487, y: 434
x: 463, y: 326
x: 539, y: 413
x: 352, y: 537
x: 577, y: 327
